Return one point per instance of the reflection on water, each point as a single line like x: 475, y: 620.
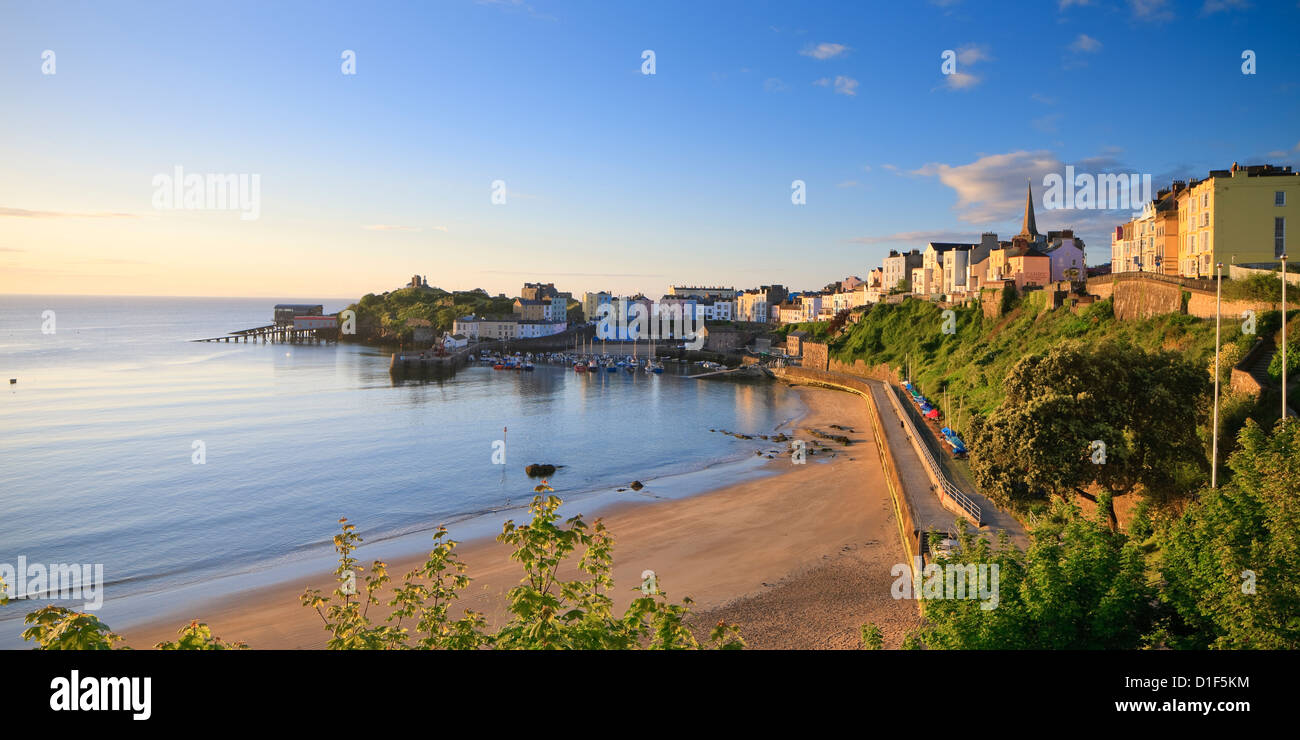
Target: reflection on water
x: 96, y: 438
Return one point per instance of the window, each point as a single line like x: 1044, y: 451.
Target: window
x: 1279, y: 236
x: 1279, y: 198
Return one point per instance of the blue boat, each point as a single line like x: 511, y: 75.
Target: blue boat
x: 949, y: 436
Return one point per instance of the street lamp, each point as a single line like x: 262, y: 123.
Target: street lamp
x: 1284, y: 336
x: 1214, y: 452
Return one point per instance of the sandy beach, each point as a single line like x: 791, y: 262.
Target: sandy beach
x: 800, y: 558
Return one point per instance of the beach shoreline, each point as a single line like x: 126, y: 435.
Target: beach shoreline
x: 800, y: 553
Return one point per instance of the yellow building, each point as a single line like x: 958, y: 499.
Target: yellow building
x: 1239, y: 216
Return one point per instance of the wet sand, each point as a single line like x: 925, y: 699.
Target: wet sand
x: 798, y: 559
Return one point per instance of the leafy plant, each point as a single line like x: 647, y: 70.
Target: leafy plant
x: 198, y: 636
x: 57, y: 628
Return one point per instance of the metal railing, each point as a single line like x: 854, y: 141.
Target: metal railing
x: 949, y: 488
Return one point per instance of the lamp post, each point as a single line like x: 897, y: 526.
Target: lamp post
x: 1284, y: 336
x: 1214, y: 451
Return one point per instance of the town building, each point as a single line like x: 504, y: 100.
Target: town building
x: 789, y: 313
x: 284, y: 313
x: 1239, y: 215
x: 757, y: 305
x: 702, y: 293
x: 717, y: 310
x: 1067, y: 256
x: 530, y: 309
x: 591, y: 303
x: 897, y: 268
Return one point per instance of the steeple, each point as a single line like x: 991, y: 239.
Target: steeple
x: 1028, y: 228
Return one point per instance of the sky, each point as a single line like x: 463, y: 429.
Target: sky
x: 613, y: 179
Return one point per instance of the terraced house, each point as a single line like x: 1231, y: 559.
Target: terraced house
x: 1238, y: 216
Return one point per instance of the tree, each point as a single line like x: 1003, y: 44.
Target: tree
x: 1231, y: 562
x: 1111, y: 415
x: 1080, y: 585
x: 837, y: 322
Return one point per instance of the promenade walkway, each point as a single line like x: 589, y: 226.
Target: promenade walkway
x: 919, y: 488
x: 992, y: 518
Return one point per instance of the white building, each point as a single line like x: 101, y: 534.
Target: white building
x: 811, y: 303
x: 717, y: 310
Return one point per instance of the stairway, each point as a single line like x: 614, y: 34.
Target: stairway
x: 1259, y: 368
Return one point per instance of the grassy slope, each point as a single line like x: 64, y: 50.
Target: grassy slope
x: 384, y: 316
x: 973, y: 361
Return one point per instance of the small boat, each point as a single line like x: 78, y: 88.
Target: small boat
x: 579, y: 368
x: 528, y: 366
x: 498, y: 366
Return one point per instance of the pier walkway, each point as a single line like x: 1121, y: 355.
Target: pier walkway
x: 277, y: 333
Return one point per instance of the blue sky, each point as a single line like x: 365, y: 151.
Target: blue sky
x: 615, y: 179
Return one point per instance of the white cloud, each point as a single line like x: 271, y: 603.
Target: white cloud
x: 774, y: 84
x: 843, y: 85
x: 24, y: 213
x: 961, y: 81
x: 1151, y: 10
x: 846, y: 85
x: 991, y: 190
x: 918, y: 237
x: 973, y: 53
x: 825, y: 50
x: 1086, y: 43
x: 1216, y: 6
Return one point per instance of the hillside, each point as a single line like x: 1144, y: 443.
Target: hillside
x: 383, y: 318
x: 972, y: 363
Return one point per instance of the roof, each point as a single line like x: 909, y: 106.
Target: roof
x: 1029, y: 226
x: 945, y: 246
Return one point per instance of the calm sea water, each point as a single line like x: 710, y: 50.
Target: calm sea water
x: 97, y: 439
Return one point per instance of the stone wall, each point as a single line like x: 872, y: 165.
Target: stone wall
x: 1142, y: 296
x: 991, y: 301
x: 727, y: 339
x: 815, y: 356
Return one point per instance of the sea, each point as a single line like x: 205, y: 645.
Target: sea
x: 191, y: 471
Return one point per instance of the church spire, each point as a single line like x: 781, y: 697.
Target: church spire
x: 1029, y: 228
